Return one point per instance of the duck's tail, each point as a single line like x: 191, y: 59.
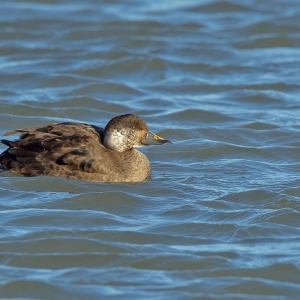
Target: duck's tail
x: 6, y: 158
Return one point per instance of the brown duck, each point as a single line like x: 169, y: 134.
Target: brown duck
x: 83, y: 151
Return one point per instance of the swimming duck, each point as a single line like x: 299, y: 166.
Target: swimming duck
x: 83, y: 151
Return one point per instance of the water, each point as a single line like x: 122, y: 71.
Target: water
x: 220, y: 217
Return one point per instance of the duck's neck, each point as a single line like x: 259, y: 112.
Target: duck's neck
x: 136, y: 166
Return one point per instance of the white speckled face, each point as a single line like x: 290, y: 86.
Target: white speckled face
x: 121, y: 140
x: 114, y: 140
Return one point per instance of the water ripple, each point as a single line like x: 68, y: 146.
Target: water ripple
x: 220, y: 216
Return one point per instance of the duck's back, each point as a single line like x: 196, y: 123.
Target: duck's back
x: 72, y: 150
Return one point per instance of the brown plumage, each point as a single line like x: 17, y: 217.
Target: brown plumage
x: 82, y: 151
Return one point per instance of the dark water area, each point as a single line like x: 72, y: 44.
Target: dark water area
x: 220, y: 217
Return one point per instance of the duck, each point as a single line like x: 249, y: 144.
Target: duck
x: 83, y: 151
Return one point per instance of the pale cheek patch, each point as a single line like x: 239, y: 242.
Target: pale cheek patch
x: 117, y: 140
x: 113, y: 140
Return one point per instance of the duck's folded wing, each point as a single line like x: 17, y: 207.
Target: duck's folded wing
x: 41, y: 153
x: 80, y: 154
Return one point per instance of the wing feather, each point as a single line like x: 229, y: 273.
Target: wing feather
x: 58, y: 149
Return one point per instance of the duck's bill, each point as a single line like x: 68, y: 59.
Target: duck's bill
x: 153, y: 139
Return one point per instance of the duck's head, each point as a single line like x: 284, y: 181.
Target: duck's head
x: 128, y: 131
